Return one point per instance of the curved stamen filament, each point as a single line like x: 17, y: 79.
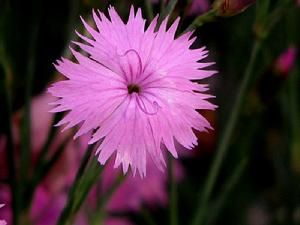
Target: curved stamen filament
x: 133, y: 74
x: 142, y: 106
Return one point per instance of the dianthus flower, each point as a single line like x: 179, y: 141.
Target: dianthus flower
x: 134, y: 89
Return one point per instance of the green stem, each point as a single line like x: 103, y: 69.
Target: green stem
x: 9, y: 139
x: 201, y: 20
x: 66, y: 214
x: 91, y: 177
x: 228, y: 188
x: 26, y: 120
x: 173, y: 194
x: 149, y: 9
x: 295, y: 119
x: 111, y: 191
x: 162, y: 5
x: 99, y: 216
x: 86, y: 176
x: 53, y: 131
x: 42, y: 170
x: 167, y: 11
x: 6, y: 108
x: 74, y: 8
x: 147, y: 218
x: 225, y: 138
x: 50, y: 137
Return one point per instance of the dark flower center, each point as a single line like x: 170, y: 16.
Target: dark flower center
x: 133, y: 88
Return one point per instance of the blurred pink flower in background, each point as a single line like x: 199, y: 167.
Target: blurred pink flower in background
x: 62, y: 174
x: 3, y: 164
x: 46, y: 208
x: 5, y: 212
x: 132, y: 90
x: 135, y: 192
x: 286, y: 61
x: 2, y: 222
x: 41, y: 121
x: 117, y: 221
x: 198, y: 7
x: 50, y: 196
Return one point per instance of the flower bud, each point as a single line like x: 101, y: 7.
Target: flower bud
x: 286, y: 61
x: 231, y: 7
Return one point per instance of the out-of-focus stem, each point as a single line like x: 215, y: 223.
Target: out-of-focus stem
x: 66, y: 214
x: 225, y: 137
x: 234, y: 115
x: 99, y: 216
x: 104, y: 200
x: 50, y: 137
x: 167, y: 11
x: 9, y: 140
x: 86, y: 176
x: 26, y: 120
x: 173, y: 194
x: 149, y: 9
x: 6, y: 100
x: 295, y: 120
x: 43, y: 165
x: 148, y: 220
x: 92, y: 175
x: 228, y: 187
x: 42, y: 169
x: 161, y: 5
x: 201, y: 20
x: 74, y: 8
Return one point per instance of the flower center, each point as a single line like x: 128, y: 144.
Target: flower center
x: 133, y: 88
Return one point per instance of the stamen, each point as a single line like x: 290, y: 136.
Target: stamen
x: 142, y: 106
x: 130, y: 63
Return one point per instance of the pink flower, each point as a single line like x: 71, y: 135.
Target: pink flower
x: 134, y: 89
x: 286, y: 61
